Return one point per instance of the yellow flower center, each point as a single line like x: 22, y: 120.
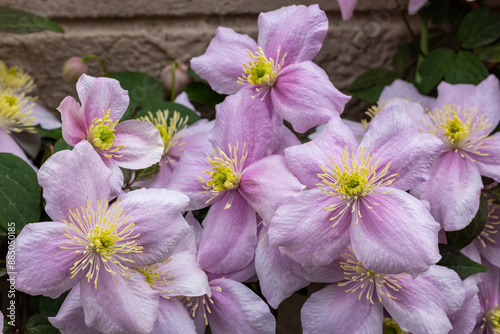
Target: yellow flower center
x: 15, y: 79
x: 100, y: 235
x: 171, y: 131
x: 352, y: 179
x: 367, y: 281
x: 492, y: 318
x: 101, y: 135
x: 15, y: 113
x: 391, y: 327
x: 226, y: 171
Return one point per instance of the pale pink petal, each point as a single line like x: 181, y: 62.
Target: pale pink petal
x: 304, y: 231
x: 69, y: 178
x: 453, y: 190
x: 333, y: 310
x: 183, y: 99
x: 356, y: 128
x: 304, y: 96
x: 489, y: 165
x: 281, y: 139
x: 42, y: 267
x: 415, y: 5
x: 120, y: 304
x: 160, y: 180
x: 222, y: 63
x: 74, y: 125
x: 464, y: 320
x: 45, y: 118
x: 266, y: 183
x: 397, y: 235
x: 298, y: 31
x: 405, y: 90
x: 98, y: 95
x: 193, y: 138
x: 229, y: 235
x: 143, y: 144
x: 8, y: 145
x: 347, y: 8
x: 173, y: 318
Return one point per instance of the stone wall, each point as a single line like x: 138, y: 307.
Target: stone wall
x: 147, y: 35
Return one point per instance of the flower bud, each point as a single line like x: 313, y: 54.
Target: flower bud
x: 72, y: 69
x: 182, y: 78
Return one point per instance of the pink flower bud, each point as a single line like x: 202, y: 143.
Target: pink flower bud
x: 182, y: 78
x: 72, y: 69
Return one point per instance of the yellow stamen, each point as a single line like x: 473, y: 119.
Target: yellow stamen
x: 157, y: 278
x: 372, y: 112
x: 101, y: 135
x: 392, y: 327
x: 15, y: 79
x: 491, y: 226
x: 492, y: 318
x: 15, y: 112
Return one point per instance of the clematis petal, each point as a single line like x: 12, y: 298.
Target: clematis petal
x: 422, y: 305
x: 194, y: 138
x: 356, y: 128
x: 332, y: 310
x: 222, y: 63
x: 236, y: 309
x: 415, y: 5
x: 81, y: 175
x: 229, y: 235
x: 489, y: 165
x: 98, y: 95
x: 405, y: 90
x: 158, y: 222
x: 298, y: 31
x: 173, y: 318
x: 42, y: 267
x: 464, y: 320
x: 8, y: 145
x: 160, y: 180
x: 143, y: 144
x: 398, y: 235
x: 70, y: 318
x: 304, y: 160
x: 395, y: 138
x: 453, y: 190
x: 317, y: 102
x: 74, y: 126
x: 304, y: 231
x: 266, y: 183
x: 347, y: 8
x: 276, y: 281
x: 282, y: 138
x: 243, y: 120
x: 45, y: 118
x: 120, y: 304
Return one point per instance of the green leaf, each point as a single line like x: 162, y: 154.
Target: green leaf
x: 465, y: 68
x: 202, y: 93
x: 142, y: 89
x: 20, y: 193
x: 54, y: 133
x: 62, y: 145
x: 49, y: 306
x: 460, y: 239
x: 20, y: 22
x: 489, y: 53
x: 433, y: 67
x: 478, y: 28
x: 39, y: 324
x: 402, y: 58
x: 171, y: 107
x: 452, y: 258
x: 147, y: 173
x: 369, y: 85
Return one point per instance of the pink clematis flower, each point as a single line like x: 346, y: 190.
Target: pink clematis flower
x: 463, y: 118
x: 95, y: 244
x: 278, y: 68
x: 357, y: 194
x: 347, y: 7
x: 130, y: 144
x: 356, y: 303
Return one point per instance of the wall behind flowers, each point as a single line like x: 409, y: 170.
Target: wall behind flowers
x: 147, y: 35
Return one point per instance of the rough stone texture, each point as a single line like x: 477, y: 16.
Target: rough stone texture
x: 147, y: 35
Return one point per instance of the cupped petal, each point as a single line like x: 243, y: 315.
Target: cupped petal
x: 45, y: 118
x: 237, y: 310
x: 229, y: 235
x: 74, y: 125
x: 485, y: 97
x: 395, y: 139
x: 266, y: 183
x: 120, y: 304
x: 70, y: 318
x: 423, y: 305
x: 304, y: 96
x: 298, y: 31
x: 143, y: 144
x: 347, y: 8
x: 405, y: 90
x: 156, y: 214
x: 98, y: 95
x: 42, y: 267
x: 243, y: 120
x: 9, y: 145
x: 173, y: 318
x: 464, y: 320
x: 276, y: 281
x: 453, y: 190
x: 304, y: 160
x: 303, y: 229
x: 489, y: 164
x: 395, y: 235
x: 332, y: 310
x: 69, y: 178
x: 222, y: 63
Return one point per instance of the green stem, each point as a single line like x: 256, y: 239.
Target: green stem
x: 424, y: 48
x: 99, y: 60
x: 407, y: 24
x: 174, y: 67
